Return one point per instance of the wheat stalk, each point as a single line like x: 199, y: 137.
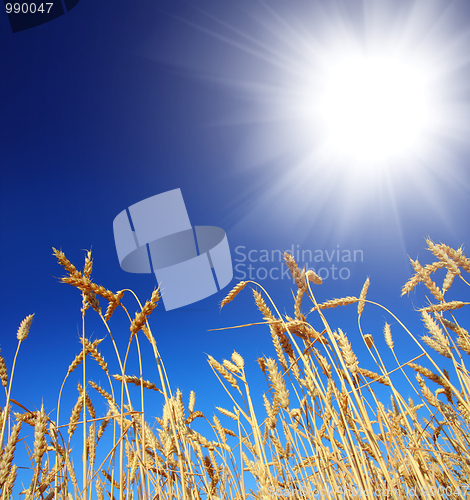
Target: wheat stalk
x: 320, y: 427
x: 362, y: 297
x: 335, y: 303
x: 233, y: 293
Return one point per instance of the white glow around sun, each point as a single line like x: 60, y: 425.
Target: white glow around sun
x: 372, y: 109
x: 364, y: 111
x: 345, y: 107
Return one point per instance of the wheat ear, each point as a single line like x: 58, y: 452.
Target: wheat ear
x: 362, y: 297
x: 233, y: 293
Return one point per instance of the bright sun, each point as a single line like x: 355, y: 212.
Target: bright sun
x: 346, y: 100
x: 348, y: 110
x: 372, y: 109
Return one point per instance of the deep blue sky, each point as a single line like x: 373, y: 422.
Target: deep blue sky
x: 117, y: 101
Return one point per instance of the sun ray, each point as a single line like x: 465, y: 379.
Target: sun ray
x: 359, y: 100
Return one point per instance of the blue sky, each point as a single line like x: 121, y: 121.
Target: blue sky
x: 118, y: 101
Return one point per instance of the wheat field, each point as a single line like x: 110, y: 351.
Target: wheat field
x: 323, y: 432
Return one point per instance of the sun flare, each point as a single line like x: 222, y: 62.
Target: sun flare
x: 348, y: 108
x: 361, y: 110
